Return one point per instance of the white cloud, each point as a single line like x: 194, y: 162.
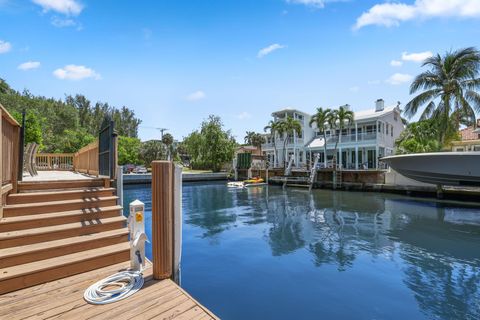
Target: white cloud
x: 244, y: 115
x: 416, y: 57
x: 265, y: 51
x: 391, y: 14
x: 396, y: 63
x: 67, y: 7
x: 74, y: 72
x: 5, y: 46
x: 196, y: 96
x: 62, y: 23
x: 312, y: 3
x: 29, y: 65
x: 399, y: 78
x: 354, y: 89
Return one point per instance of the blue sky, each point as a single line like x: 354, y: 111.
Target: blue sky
x: 175, y: 62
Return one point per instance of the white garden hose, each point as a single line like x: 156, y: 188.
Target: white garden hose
x: 114, y: 288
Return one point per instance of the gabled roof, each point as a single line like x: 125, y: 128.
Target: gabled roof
x: 371, y: 113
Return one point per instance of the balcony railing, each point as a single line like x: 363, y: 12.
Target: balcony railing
x: 290, y: 141
x: 351, y: 137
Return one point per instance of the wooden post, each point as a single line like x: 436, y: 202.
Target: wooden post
x: 1, y: 162
x: 119, y: 185
x: 162, y: 219
x: 177, y: 223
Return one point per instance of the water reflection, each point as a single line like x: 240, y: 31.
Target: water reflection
x: 435, y: 244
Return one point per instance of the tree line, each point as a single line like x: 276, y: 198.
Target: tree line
x: 64, y: 126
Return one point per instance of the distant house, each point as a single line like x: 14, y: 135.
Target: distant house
x: 470, y: 139
x: 372, y: 135
x: 249, y: 149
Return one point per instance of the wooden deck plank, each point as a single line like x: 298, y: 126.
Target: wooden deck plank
x: 63, y: 299
x: 49, y: 289
x: 151, y: 290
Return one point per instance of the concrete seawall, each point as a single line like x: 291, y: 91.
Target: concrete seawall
x: 186, y: 177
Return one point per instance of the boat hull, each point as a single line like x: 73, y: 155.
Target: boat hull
x: 444, y: 168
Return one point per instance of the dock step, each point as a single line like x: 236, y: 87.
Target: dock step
x: 59, y: 185
x: 15, y: 210
x: 57, y: 218
x: 30, y: 274
x: 50, y: 249
x: 36, y: 235
x: 46, y: 196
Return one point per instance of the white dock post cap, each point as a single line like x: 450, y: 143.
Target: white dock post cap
x: 136, y: 203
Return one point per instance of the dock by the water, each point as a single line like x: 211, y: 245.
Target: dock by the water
x: 63, y: 299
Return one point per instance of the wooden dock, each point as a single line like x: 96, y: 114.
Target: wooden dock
x: 63, y: 299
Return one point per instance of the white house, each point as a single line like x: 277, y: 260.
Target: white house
x: 295, y: 144
x: 372, y: 135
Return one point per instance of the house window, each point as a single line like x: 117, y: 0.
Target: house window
x: 387, y: 125
x: 459, y: 149
x: 327, y: 132
x: 476, y: 148
x: 395, y: 116
x: 391, y: 131
x: 300, y: 135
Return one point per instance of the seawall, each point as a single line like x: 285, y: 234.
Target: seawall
x: 186, y: 177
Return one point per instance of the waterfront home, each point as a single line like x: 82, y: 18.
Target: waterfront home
x: 295, y: 144
x: 470, y: 139
x: 371, y: 136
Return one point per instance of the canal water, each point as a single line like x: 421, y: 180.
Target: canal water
x: 266, y: 253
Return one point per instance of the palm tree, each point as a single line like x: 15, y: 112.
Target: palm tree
x: 339, y: 119
x: 273, y: 128
x: 449, y: 87
x: 167, y: 140
x: 248, y: 137
x: 322, y: 119
x: 289, y: 126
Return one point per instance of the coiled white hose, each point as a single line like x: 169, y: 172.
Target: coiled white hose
x: 123, y: 285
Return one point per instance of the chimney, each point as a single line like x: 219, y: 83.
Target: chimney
x: 379, y: 105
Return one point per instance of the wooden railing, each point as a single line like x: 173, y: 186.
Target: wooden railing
x: 86, y: 159
x: 9, y: 153
x: 54, y: 161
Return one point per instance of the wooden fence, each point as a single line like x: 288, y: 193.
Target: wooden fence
x: 54, y: 161
x: 86, y: 159
x: 9, y: 154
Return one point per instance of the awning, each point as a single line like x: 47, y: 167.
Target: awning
x: 316, y: 143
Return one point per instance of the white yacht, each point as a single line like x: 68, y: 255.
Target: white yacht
x: 445, y: 168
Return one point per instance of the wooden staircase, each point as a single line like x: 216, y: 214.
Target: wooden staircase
x: 54, y: 229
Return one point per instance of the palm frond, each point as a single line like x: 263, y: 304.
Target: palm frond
x: 411, y: 108
x: 474, y: 98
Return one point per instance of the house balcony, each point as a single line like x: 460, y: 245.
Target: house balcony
x: 369, y: 136
x: 290, y: 143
